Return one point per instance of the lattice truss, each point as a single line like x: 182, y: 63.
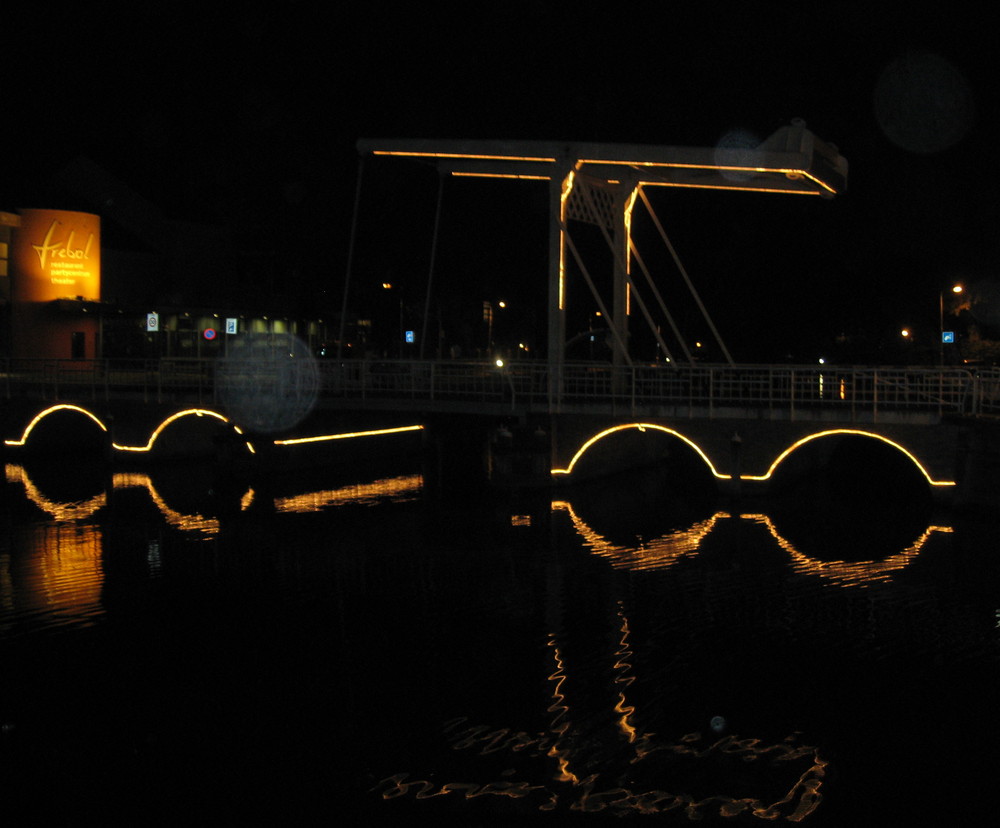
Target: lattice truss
x: 591, y: 203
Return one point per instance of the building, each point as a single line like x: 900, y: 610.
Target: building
x: 130, y: 282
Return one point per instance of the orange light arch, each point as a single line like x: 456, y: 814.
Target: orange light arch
x: 51, y: 410
x: 850, y: 432
x: 642, y: 427
x: 197, y: 412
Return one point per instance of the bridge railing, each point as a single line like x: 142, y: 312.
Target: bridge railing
x: 853, y: 392
x: 442, y: 381
x: 147, y: 379
x: 850, y: 391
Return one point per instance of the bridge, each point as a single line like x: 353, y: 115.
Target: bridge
x: 744, y: 424
x: 552, y: 420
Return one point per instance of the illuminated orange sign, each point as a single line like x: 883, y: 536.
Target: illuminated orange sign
x: 57, y: 255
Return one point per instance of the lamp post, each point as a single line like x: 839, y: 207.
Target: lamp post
x: 953, y: 289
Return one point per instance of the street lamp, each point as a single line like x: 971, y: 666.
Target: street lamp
x: 954, y: 289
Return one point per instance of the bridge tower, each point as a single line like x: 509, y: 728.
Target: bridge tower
x: 600, y: 184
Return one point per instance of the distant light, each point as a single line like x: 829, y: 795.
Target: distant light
x: 904, y: 333
x: 499, y: 363
x: 822, y: 361
x: 957, y: 289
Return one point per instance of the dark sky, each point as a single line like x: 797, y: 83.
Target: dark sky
x: 251, y: 116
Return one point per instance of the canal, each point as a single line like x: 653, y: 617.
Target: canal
x: 344, y: 646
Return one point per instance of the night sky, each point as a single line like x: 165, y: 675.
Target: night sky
x: 249, y: 118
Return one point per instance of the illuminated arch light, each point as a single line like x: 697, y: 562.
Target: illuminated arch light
x: 853, y: 432
x: 50, y: 410
x: 642, y: 427
x: 347, y: 435
x: 249, y: 445
x: 850, y: 573
x: 198, y: 412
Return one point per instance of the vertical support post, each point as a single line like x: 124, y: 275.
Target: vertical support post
x: 711, y: 393
x: 736, y: 465
x: 432, y: 265
x: 556, y: 294
x: 791, y: 396
x: 620, y: 287
x: 875, y: 396
x: 350, y: 261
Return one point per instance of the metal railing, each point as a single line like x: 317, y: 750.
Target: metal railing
x: 151, y: 380
x: 796, y: 391
x: 854, y: 392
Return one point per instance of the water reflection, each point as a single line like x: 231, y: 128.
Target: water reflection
x: 186, y: 522
x: 850, y: 573
x: 60, y: 510
x: 399, y: 489
x: 51, y: 576
x: 189, y: 518
x: 602, y: 756
x: 482, y: 661
x: 656, y: 553
x: 678, y: 543
x: 51, y: 573
x: 610, y: 759
x: 685, y: 761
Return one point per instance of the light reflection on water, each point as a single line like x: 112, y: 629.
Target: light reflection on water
x: 55, y: 579
x: 668, y: 549
x: 53, y: 574
x: 369, y: 493
x: 483, y: 660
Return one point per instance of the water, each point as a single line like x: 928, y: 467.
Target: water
x: 342, y: 647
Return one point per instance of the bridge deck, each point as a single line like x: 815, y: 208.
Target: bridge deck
x: 781, y: 392
x: 939, y: 417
